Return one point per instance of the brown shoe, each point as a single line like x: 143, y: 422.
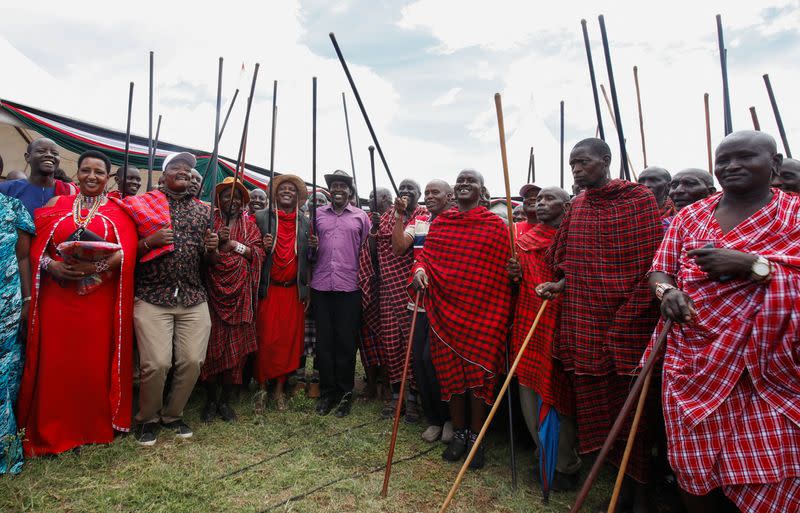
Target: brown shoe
x: 313, y: 391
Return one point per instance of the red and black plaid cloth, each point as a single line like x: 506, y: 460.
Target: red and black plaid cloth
x: 604, y: 248
x: 150, y: 212
x: 668, y: 209
x: 233, y: 297
x: 731, y: 376
x: 395, y: 317
x: 537, y: 369
x: 370, y: 312
x: 468, y: 299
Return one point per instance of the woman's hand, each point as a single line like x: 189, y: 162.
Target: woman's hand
x: 63, y: 271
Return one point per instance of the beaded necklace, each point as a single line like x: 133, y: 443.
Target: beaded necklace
x: 92, y: 203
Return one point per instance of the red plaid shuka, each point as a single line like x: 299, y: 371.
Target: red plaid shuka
x: 538, y: 369
x: 150, y: 212
x: 668, y: 209
x: 731, y: 377
x: 370, y: 312
x: 233, y: 296
x: 604, y: 248
x: 468, y: 299
x: 395, y: 319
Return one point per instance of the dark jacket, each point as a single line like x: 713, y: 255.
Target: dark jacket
x: 303, y: 265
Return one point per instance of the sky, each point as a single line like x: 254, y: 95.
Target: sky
x: 427, y: 71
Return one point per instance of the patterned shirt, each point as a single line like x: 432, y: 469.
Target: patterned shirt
x: 340, y: 239
x: 175, y: 277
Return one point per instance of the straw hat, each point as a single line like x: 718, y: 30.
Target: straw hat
x: 239, y: 185
x: 302, y: 190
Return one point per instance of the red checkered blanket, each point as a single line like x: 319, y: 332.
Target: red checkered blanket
x: 150, y: 212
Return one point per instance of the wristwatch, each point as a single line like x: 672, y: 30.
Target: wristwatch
x: 761, y: 269
x: 663, y: 288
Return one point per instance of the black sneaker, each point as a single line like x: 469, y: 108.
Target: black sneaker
x: 146, y: 434
x: 343, y: 409
x: 457, y: 447
x: 180, y: 428
x: 479, y: 459
x: 324, y: 405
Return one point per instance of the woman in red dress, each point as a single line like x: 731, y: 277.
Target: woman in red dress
x: 77, y: 383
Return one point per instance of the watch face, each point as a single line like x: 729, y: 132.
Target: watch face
x: 760, y: 269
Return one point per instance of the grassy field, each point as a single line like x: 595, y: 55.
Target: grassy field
x: 293, y: 461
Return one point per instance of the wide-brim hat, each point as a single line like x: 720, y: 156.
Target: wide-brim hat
x: 228, y: 182
x: 527, y: 188
x: 302, y: 190
x: 340, y: 176
x: 179, y: 157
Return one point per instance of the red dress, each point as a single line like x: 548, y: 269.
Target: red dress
x: 77, y: 383
x: 281, y: 315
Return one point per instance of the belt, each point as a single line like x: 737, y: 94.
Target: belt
x: 285, y: 284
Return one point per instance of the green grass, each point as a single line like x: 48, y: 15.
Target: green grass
x: 239, y: 467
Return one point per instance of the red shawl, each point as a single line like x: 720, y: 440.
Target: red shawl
x: 233, y: 279
x: 469, y: 296
x: 604, y: 248
x: 151, y: 213
x: 668, y: 209
x: 538, y: 369
x: 741, y: 325
x: 370, y: 309
x: 121, y: 386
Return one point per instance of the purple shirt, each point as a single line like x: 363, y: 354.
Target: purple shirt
x: 340, y: 239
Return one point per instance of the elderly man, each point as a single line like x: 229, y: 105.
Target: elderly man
x: 462, y: 270
x: 340, y: 231
x: 529, y: 192
x: 43, y: 158
x: 601, y: 255
x: 657, y: 179
x: 133, y: 181
x: 690, y: 185
x: 787, y: 178
x: 728, y: 275
x: 171, y: 314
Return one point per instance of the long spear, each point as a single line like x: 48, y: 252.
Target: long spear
x: 350, y: 147
x: 723, y: 61
x: 778, y: 119
x: 639, y: 105
x: 212, y: 163
x: 363, y: 111
x: 150, y: 130
x: 622, y: 150
x: 561, y: 172
x: 594, y: 81
x: 614, y: 123
x: 374, y: 184
x: 240, y: 161
x: 531, y: 168
x: 127, y: 144
x: 155, y: 140
x: 314, y: 153
x: 273, y: 192
x: 754, y: 117
x: 708, y: 137
x: 228, y: 114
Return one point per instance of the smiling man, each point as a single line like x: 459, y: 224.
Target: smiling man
x: 133, y: 182
x: 258, y: 202
x: 728, y: 275
x: 43, y: 158
x: 600, y: 257
x: 690, y: 185
x: 462, y: 270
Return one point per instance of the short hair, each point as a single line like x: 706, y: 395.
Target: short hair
x: 94, y: 154
x: 597, y: 146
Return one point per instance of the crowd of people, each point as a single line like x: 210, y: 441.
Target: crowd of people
x: 110, y: 291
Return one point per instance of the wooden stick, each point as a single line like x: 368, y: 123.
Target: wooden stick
x: 240, y: 161
x: 212, y: 170
x: 499, y: 107
x: 561, y: 169
x: 639, y: 105
x: 273, y: 192
x: 127, y: 144
x: 778, y: 119
x: 374, y: 183
x: 723, y: 62
x: 600, y: 131
x: 623, y: 151
x: 708, y: 137
x: 314, y: 153
x: 363, y: 110
x: 614, y: 123
x: 492, y: 412
x: 150, y: 130
x: 754, y: 117
x: 629, y: 444
x: 228, y: 114
x: 626, y: 408
x: 388, y: 472
x: 350, y: 148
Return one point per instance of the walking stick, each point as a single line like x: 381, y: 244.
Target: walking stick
x: 723, y: 62
x: 314, y: 154
x: 600, y: 131
x: 638, y: 386
x: 531, y: 168
x: 212, y: 170
x: 363, y: 110
x: 399, y: 407
x: 127, y: 144
x: 639, y: 105
x: 272, y: 152
x: 374, y: 184
x: 778, y: 119
x: 623, y: 151
x: 561, y: 169
x: 754, y: 116
x: 614, y: 123
x: 240, y: 161
x: 150, y: 130
x: 492, y: 412
x: 708, y: 138
x: 350, y: 147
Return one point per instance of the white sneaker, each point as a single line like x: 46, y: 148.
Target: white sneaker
x: 447, y: 432
x: 432, y: 434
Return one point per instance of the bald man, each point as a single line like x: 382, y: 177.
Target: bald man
x: 657, y: 179
x: 258, y: 201
x: 690, y: 185
x: 787, y: 178
x: 728, y: 275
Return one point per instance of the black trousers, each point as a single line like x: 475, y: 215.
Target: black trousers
x: 436, y: 410
x: 338, y: 319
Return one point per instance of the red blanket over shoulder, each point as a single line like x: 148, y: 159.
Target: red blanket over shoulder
x: 151, y: 213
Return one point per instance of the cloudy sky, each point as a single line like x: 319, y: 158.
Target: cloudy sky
x: 427, y: 71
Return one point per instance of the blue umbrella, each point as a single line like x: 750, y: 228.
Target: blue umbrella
x: 549, y: 424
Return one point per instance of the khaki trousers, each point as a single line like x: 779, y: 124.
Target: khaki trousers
x: 164, y: 335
